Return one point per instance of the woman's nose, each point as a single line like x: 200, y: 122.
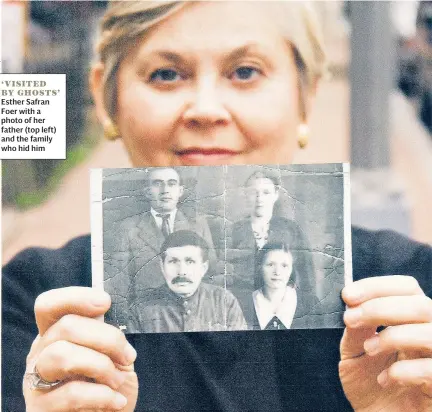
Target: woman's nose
x: 277, y: 270
x: 206, y: 105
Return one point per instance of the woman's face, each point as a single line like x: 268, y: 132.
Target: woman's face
x: 262, y: 195
x: 277, y: 269
x: 216, y: 83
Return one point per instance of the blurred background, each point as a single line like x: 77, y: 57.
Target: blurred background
x: 374, y: 110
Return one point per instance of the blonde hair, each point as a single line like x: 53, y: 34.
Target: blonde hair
x: 126, y: 21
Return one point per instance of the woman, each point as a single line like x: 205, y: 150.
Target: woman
x: 275, y: 301
x: 209, y: 83
x: 278, y: 302
x: 262, y: 191
x: 262, y: 226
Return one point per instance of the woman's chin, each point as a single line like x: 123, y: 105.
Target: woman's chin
x: 201, y: 159
x: 278, y: 284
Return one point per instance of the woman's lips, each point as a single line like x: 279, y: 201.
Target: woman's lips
x: 276, y: 280
x: 197, y: 156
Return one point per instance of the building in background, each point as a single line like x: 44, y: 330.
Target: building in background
x: 49, y: 37
x: 14, y: 19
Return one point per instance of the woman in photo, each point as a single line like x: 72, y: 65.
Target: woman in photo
x: 263, y: 226
x: 262, y: 191
x: 279, y: 303
x: 210, y: 83
x: 275, y: 301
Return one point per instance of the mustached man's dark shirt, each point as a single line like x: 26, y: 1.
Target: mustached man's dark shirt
x: 210, y: 308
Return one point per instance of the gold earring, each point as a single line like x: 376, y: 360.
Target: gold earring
x: 303, y: 135
x: 111, y: 131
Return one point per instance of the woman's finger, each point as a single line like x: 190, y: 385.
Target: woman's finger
x: 389, y: 311
x: 363, y: 290
x: 415, y: 372
x: 414, y: 337
x: 79, y: 396
x: 64, y: 360
x: 52, y: 305
x: 353, y: 340
x: 92, y: 334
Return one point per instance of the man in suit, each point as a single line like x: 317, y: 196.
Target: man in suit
x: 185, y: 303
x: 139, y: 239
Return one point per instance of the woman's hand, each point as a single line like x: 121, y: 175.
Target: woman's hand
x: 93, y: 360
x: 390, y: 371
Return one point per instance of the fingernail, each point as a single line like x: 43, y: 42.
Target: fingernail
x: 371, y: 345
x: 383, y: 378
x: 118, y: 379
x: 129, y: 354
x: 354, y: 294
x: 119, y: 401
x: 101, y: 299
x: 353, y: 317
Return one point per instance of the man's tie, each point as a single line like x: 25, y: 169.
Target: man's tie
x: 165, y: 224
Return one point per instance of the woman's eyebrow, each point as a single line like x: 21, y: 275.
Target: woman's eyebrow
x: 243, y: 51
x: 182, y: 58
x: 170, y: 56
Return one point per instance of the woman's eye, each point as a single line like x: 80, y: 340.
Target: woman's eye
x: 164, y: 75
x: 245, y: 73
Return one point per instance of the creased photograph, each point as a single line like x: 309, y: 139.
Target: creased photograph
x: 222, y: 248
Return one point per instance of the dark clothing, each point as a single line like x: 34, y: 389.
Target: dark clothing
x: 131, y: 248
x: 242, y: 252
x: 262, y: 371
x: 211, y: 308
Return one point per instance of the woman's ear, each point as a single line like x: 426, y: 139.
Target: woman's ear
x: 97, y: 91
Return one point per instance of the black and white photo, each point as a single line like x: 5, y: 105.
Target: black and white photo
x: 190, y: 249
x: 185, y: 303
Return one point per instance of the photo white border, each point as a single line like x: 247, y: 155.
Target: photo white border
x: 96, y: 228
x: 96, y: 208
x: 348, y: 269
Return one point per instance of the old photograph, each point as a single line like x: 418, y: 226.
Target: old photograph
x: 223, y: 248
